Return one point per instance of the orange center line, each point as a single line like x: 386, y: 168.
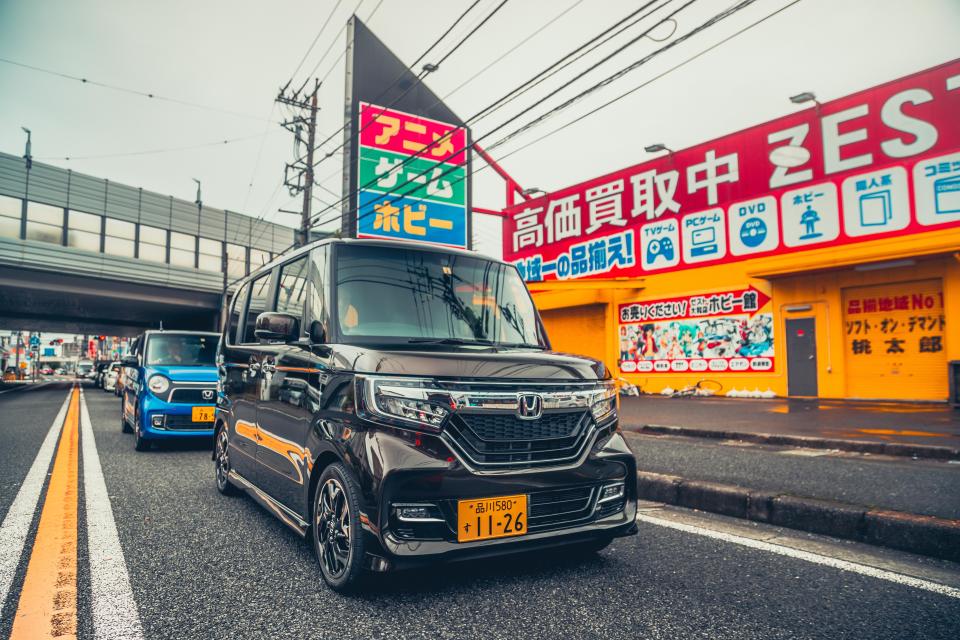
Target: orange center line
x: 48, y: 601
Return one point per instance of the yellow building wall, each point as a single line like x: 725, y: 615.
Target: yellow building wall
x: 815, y: 278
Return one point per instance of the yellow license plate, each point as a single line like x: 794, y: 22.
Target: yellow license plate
x: 485, y: 518
x: 202, y: 414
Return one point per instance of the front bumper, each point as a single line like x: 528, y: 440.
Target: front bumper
x: 564, y: 505
x: 175, y: 420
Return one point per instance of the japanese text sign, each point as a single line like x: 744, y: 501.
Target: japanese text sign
x: 884, y: 162
x: 412, y: 177
x: 722, y: 331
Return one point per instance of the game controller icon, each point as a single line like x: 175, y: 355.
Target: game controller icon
x: 660, y: 247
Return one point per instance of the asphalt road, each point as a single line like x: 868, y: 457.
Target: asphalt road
x: 200, y: 565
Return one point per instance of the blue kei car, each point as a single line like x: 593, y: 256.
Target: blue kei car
x: 170, y: 386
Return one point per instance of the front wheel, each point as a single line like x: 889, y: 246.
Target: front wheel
x: 337, y: 538
x: 142, y: 444
x: 221, y: 458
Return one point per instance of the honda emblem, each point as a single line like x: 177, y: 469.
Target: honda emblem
x: 529, y: 406
x: 208, y: 394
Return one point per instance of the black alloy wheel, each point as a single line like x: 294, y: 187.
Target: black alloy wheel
x: 221, y: 460
x: 337, y: 538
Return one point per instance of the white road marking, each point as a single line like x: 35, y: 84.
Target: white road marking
x: 827, y: 561
x: 114, y: 609
x: 16, y: 524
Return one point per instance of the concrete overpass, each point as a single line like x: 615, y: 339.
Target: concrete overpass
x: 81, y: 254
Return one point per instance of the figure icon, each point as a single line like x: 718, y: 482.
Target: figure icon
x: 809, y: 219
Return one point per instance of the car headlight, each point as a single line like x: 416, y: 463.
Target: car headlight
x: 604, y: 402
x: 158, y: 384
x: 407, y: 403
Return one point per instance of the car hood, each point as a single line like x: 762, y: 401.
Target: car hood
x: 466, y: 363
x: 186, y: 374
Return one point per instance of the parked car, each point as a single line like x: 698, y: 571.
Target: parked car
x: 47, y: 371
x: 170, y: 386
x: 110, y: 376
x: 399, y: 404
x: 10, y: 374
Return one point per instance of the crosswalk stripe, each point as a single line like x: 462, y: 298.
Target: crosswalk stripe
x: 16, y: 524
x: 114, y: 609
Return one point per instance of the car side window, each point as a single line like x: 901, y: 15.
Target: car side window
x: 257, y: 305
x: 290, y: 292
x: 236, y: 313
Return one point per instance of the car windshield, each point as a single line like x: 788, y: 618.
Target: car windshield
x: 417, y: 296
x: 185, y: 350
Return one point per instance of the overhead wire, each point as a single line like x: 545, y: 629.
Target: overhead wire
x: 646, y: 82
x: 316, y: 38
x: 127, y: 154
x: 113, y: 87
x: 710, y: 22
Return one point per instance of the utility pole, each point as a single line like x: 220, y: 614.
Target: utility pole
x: 298, y: 175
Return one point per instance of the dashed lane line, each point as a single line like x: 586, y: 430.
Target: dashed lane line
x: 113, y: 606
x: 16, y: 524
x: 48, y: 601
x: 815, y: 558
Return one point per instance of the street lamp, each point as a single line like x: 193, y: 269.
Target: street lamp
x: 806, y: 96
x: 658, y: 147
x: 531, y: 191
x: 198, y: 201
x: 28, y: 156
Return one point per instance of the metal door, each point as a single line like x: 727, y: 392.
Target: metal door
x: 801, y: 357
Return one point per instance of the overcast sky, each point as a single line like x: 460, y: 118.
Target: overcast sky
x: 233, y: 55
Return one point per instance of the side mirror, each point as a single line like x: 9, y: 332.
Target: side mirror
x: 129, y: 361
x: 277, y: 327
x: 318, y: 335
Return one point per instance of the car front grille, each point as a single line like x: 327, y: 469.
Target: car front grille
x: 184, y: 423
x: 561, y: 507
x: 502, y: 441
x: 192, y: 395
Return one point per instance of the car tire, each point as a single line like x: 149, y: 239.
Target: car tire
x: 221, y: 462
x: 335, y: 528
x: 141, y: 444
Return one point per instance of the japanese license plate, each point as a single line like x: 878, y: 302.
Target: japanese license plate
x: 485, y: 518
x: 202, y: 414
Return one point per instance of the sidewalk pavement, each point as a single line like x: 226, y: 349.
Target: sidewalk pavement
x: 890, y: 422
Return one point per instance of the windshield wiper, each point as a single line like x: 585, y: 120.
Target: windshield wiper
x: 476, y: 341
x: 485, y: 343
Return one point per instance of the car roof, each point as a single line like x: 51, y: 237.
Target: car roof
x: 369, y: 242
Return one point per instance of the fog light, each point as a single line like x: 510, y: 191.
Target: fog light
x: 611, y: 492
x: 157, y: 421
x: 418, y: 513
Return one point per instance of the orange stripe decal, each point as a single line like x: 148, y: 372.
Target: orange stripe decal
x: 48, y: 601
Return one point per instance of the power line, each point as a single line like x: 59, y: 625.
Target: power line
x: 409, y: 159
x: 317, y: 37
x: 126, y: 154
x: 524, y: 41
x: 144, y: 94
x: 647, y: 82
x: 705, y: 25
x: 344, y: 52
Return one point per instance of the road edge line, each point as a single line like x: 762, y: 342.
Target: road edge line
x: 115, y: 613
x: 19, y: 517
x: 807, y: 556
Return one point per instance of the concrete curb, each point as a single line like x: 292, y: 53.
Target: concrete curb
x: 859, y: 446
x: 926, y: 535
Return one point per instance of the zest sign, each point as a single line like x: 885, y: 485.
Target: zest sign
x: 882, y: 162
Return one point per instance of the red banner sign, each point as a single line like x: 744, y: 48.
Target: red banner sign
x: 883, y: 162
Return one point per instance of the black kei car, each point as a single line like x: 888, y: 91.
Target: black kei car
x: 399, y: 404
